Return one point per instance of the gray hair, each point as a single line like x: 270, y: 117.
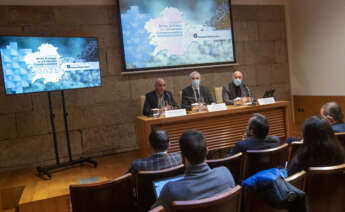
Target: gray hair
x: 334, y: 110
x: 193, y: 73
x: 233, y: 74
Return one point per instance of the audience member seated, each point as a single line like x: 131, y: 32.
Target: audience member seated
x: 236, y: 88
x: 255, y: 136
x: 334, y: 115
x: 159, y: 98
x: 195, y: 93
x: 319, y: 148
x: 160, y: 159
x: 200, y: 181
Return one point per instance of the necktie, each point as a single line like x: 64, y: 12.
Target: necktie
x: 197, y: 95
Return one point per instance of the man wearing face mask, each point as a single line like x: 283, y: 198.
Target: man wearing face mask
x: 255, y: 136
x: 236, y: 88
x: 195, y: 92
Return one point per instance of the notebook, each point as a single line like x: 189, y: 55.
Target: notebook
x: 159, y: 184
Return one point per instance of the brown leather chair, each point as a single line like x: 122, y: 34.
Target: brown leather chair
x: 111, y: 195
x: 157, y: 209
x: 234, y: 163
x: 253, y: 203
x: 257, y: 160
x: 229, y: 201
x: 341, y: 138
x: 145, y: 193
x: 326, y: 188
x: 294, y: 146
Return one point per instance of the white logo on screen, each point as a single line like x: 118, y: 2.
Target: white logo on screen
x: 45, y: 63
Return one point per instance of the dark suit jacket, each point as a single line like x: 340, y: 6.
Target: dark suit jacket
x: 188, y: 97
x: 255, y: 144
x: 229, y: 93
x: 152, y: 102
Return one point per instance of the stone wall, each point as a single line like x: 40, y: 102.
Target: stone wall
x: 102, y: 120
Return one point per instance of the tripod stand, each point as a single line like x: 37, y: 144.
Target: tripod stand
x: 46, y: 171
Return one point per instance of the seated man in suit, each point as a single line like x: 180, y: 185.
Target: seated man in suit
x: 159, y: 98
x: 334, y: 115
x: 255, y: 136
x: 160, y: 159
x: 195, y: 92
x: 200, y: 181
x: 236, y: 88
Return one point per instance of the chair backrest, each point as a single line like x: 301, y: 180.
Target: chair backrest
x: 253, y: 202
x: 229, y: 201
x: 218, y: 92
x: 257, y: 160
x: 326, y: 188
x: 141, y: 102
x: 157, y: 209
x: 341, y: 138
x: 294, y: 146
x: 234, y: 163
x: 298, y: 179
x: 111, y: 195
x: 145, y: 193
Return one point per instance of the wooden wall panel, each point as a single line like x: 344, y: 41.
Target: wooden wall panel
x: 222, y: 129
x: 307, y: 106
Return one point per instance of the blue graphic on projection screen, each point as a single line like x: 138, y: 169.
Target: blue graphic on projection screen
x: 176, y: 33
x: 36, y: 64
x: 136, y: 39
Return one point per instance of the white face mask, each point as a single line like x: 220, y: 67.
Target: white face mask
x: 237, y: 82
x: 195, y: 83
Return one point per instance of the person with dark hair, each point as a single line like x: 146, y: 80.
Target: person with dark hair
x: 200, y: 181
x: 320, y: 147
x: 160, y: 159
x: 334, y: 115
x: 255, y: 136
x: 159, y: 98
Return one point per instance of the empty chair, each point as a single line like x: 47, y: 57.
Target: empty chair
x: 341, y: 138
x: 234, y: 163
x: 257, y: 160
x: 326, y: 188
x: 141, y: 101
x: 218, y: 93
x: 294, y: 146
x: 145, y: 193
x: 229, y: 201
x: 112, y: 195
x: 252, y: 202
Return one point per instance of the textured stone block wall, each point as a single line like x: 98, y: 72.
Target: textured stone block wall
x: 102, y: 120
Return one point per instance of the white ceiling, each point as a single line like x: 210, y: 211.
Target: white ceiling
x: 111, y: 2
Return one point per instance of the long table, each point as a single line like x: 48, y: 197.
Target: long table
x: 222, y: 129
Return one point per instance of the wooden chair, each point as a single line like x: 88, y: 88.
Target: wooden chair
x: 112, y: 195
x: 140, y: 103
x: 257, y: 160
x: 229, y: 201
x: 145, y: 193
x: 341, y: 138
x: 234, y: 163
x: 326, y: 188
x: 218, y: 92
x: 253, y: 203
x: 294, y: 146
x: 157, y: 209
